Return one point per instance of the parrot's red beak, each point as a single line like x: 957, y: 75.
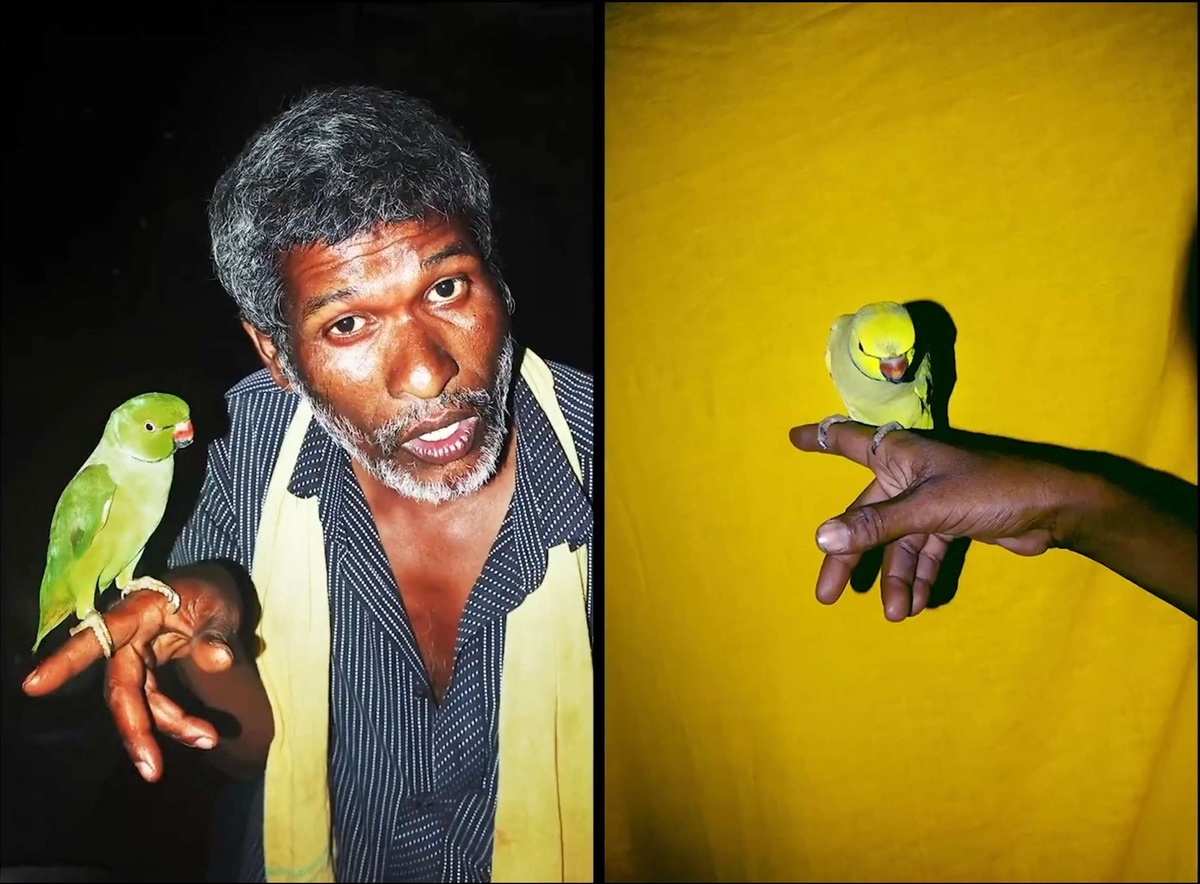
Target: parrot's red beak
x: 893, y: 369
x: 182, y: 434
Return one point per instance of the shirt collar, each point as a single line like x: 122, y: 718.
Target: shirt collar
x: 545, y: 476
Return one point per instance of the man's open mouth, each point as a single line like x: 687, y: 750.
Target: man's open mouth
x: 444, y: 443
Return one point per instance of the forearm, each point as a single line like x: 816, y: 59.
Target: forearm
x: 1148, y: 541
x: 237, y: 692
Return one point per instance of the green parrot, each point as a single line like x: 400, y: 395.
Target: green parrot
x: 108, y: 512
x: 867, y: 355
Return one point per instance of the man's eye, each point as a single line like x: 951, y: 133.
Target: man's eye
x: 347, y: 326
x: 447, y: 289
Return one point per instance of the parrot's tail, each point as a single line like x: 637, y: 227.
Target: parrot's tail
x: 56, y: 606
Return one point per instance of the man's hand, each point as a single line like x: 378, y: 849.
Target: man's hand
x: 925, y: 494
x: 145, y: 636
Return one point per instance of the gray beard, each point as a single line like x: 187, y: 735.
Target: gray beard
x: 375, y: 451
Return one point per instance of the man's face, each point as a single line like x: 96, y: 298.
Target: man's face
x: 400, y: 343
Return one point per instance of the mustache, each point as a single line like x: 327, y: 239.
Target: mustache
x: 387, y: 437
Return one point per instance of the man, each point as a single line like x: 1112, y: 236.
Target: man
x: 409, y: 494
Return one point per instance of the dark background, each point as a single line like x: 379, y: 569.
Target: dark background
x: 119, y: 121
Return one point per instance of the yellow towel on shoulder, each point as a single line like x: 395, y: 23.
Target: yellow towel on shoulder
x: 544, y: 803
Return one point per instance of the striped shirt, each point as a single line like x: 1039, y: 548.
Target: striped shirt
x: 412, y: 782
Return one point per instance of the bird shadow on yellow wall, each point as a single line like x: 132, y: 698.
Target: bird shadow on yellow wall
x: 936, y: 336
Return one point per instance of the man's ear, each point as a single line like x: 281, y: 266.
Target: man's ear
x: 268, y: 353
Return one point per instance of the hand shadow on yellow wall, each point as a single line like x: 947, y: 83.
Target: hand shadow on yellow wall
x: 936, y: 335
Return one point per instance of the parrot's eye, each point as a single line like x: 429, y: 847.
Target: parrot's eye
x: 149, y: 427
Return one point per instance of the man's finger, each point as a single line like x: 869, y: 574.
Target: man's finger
x: 82, y: 650
x: 835, y: 570
x: 920, y: 591
x: 124, y: 691
x: 929, y: 563
x: 171, y: 720
x: 211, y: 654
x: 849, y: 439
x: 833, y: 577
x: 897, y: 576
x: 864, y: 527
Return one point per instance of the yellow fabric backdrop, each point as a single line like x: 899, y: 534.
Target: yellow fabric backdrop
x: 1033, y: 169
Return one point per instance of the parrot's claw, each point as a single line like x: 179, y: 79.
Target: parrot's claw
x: 96, y: 624
x: 823, y: 429
x: 883, y: 431
x: 157, y: 586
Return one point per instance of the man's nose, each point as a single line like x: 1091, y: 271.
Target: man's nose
x: 421, y: 365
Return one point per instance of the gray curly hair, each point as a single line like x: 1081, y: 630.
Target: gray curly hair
x: 336, y: 163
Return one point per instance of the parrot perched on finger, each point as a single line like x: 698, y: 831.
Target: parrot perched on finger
x: 109, y: 510
x: 868, y: 355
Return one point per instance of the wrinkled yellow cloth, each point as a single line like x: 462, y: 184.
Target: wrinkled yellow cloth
x: 767, y: 167
x: 544, y: 802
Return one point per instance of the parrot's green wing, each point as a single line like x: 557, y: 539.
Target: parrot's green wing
x: 81, y: 512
